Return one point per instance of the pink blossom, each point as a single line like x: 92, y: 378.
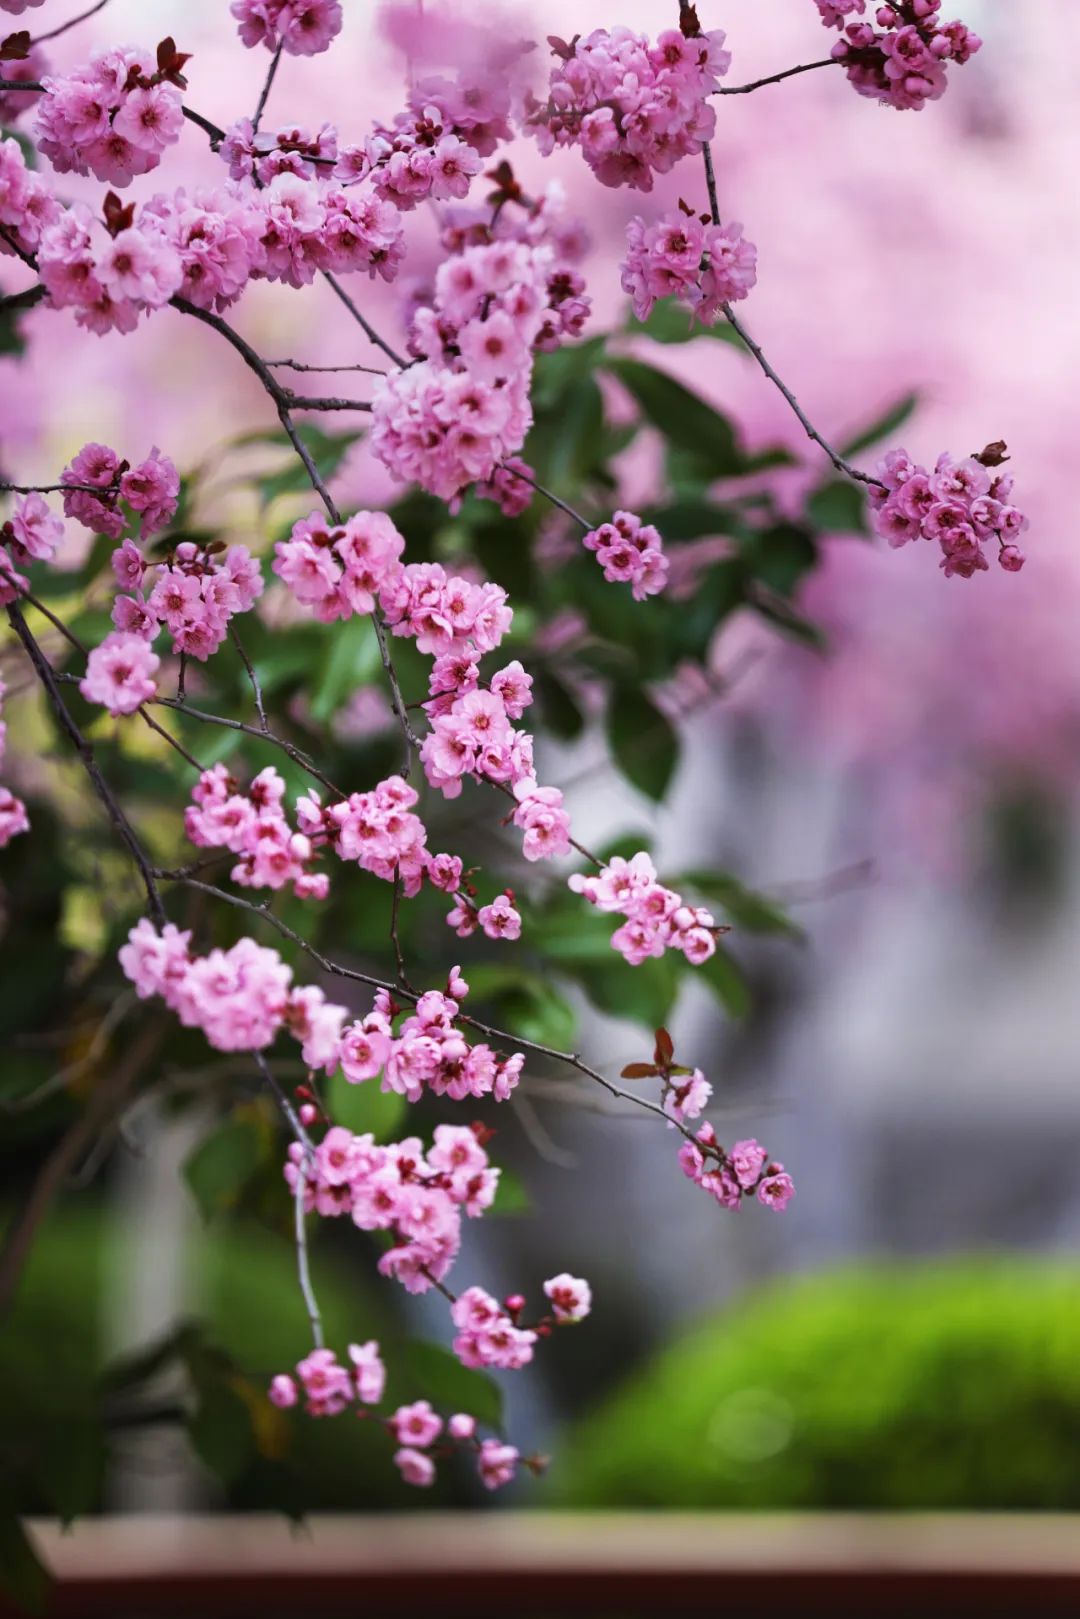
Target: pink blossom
x: 415, y: 1425
x: 961, y: 506
x: 571, y: 1298
x: 496, y: 1463
x: 120, y: 673
x: 37, y: 532
x: 415, y: 1467
x: 369, y: 1373
x: 500, y: 920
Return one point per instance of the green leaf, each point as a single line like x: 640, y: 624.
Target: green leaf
x: 221, y: 1166
x: 352, y: 660
x: 684, y: 418
x: 780, y: 613
x: 693, y: 519
x: 671, y: 322
x: 643, y: 741
x: 893, y: 418
x: 71, y: 1466
x: 328, y: 451
x: 22, y: 1574
x: 562, y: 716
x: 838, y: 507
x: 781, y: 555
x: 221, y: 1429
x: 511, y: 1196
x: 527, y: 1003
x: 129, y: 1371
x: 441, y: 1378
x: 645, y: 994
x: 364, y: 1107
x: 725, y: 978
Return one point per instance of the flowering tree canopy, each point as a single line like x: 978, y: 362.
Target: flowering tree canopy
x: 274, y: 733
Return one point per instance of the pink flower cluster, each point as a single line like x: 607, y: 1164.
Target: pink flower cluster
x: 205, y: 246
x: 682, y: 256
x: 151, y: 489
x: 300, y: 27
x: 253, y: 826
x: 290, y: 149
x: 113, y: 118
x: 27, y: 206
x: 448, y: 421
x: 428, y: 1054
x: 377, y: 829
x: 433, y: 149
x: 487, y: 1334
x: 472, y: 733
x: 120, y: 673
x: 329, y: 1387
x: 339, y: 571
x: 194, y: 594
x: 109, y: 274
x: 903, y: 62
x: 240, y: 998
x: 417, y: 1199
x: 657, y: 919
x: 307, y: 226
x: 630, y: 552
x: 731, y: 1176
x: 542, y: 222
x: 13, y: 816
x: 961, y: 505
x: 31, y: 534
x: 634, y: 109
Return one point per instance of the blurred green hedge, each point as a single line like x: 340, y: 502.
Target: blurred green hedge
x: 954, y: 1385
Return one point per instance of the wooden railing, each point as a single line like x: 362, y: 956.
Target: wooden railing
x: 508, y: 1564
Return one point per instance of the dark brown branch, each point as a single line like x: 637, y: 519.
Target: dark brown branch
x: 86, y: 754
x: 737, y: 326
x: 72, y: 22
x: 776, y: 78
x: 264, y: 93
x: 336, y: 970
x: 364, y: 324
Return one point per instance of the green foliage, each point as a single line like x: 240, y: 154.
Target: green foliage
x: 221, y: 1165
x: 947, y: 1386
x: 643, y: 740
x: 450, y: 1386
x: 365, y: 1107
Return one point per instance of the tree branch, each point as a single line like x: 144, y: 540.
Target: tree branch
x: 86, y: 754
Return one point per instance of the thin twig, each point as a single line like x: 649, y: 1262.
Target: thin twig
x: 737, y: 326
x: 253, y: 677
x: 307, y: 402
x: 300, y: 365
x: 216, y: 135
x: 775, y: 78
x: 72, y: 22
x: 547, y: 494
x: 364, y: 324
x: 265, y: 91
x: 353, y: 975
x: 303, y: 1162
x: 86, y: 754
